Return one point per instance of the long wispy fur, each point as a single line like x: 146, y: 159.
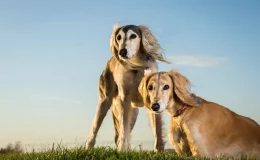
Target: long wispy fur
x: 182, y: 88
x: 118, y: 84
x: 151, y: 45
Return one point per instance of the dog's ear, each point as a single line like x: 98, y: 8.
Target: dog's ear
x: 181, y: 87
x: 143, y: 89
x: 150, y: 44
x: 113, y: 44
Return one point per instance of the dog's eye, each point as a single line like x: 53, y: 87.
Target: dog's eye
x: 133, y: 36
x: 118, y: 37
x: 150, y: 87
x: 166, y: 87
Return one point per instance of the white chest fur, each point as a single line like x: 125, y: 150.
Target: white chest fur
x: 197, y: 142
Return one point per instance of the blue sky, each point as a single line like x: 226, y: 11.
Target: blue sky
x: 53, y: 52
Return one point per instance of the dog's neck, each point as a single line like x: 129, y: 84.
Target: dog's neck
x: 130, y: 66
x: 180, y: 111
x: 176, y: 108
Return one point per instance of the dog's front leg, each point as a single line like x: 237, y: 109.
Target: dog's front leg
x: 124, y: 125
x: 157, y: 127
x: 106, y: 91
x: 102, y: 108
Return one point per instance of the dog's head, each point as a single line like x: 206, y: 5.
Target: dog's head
x: 128, y: 41
x: 163, y: 89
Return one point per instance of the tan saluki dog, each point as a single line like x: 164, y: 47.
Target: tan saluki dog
x: 197, y: 126
x: 135, y: 51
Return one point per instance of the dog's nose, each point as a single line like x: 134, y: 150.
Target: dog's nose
x: 155, y: 107
x: 123, y: 53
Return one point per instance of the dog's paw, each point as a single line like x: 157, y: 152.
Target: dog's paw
x: 120, y: 148
x: 159, y: 148
x: 123, y: 147
x: 90, y: 144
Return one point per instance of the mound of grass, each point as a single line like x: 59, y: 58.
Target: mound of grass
x: 108, y: 153
x: 100, y: 153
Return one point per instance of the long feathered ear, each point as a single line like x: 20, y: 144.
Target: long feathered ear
x: 181, y: 87
x: 151, y: 45
x: 113, y: 44
x: 143, y: 91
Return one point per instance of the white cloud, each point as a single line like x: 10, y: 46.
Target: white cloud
x: 196, y: 60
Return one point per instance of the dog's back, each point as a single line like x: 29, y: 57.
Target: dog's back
x: 216, y: 131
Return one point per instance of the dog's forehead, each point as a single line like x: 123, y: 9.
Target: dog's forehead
x: 131, y: 28
x: 154, y: 78
x: 160, y: 78
x: 164, y: 78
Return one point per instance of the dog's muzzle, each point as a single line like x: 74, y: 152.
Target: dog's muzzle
x: 123, y: 53
x: 155, y: 107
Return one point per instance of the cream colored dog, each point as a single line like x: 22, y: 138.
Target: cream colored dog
x: 197, y: 126
x: 135, y: 51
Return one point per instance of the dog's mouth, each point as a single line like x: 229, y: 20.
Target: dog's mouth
x: 124, y: 58
x: 133, y: 60
x: 158, y: 112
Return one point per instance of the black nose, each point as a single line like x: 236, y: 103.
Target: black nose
x: 155, y: 107
x: 123, y: 53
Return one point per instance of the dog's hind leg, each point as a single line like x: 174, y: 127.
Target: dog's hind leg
x: 107, y: 89
x: 101, y: 112
x: 157, y: 127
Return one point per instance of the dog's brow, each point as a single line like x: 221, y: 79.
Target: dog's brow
x: 123, y: 34
x: 132, y: 28
x: 129, y: 32
x: 118, y: 30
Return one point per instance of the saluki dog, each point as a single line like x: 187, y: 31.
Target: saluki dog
x: 197, y: 126
x: 135, y: 51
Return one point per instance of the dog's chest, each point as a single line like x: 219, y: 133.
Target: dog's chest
x: 136, y: 98
x: 129, y: 78
x: 128, y: 82
x: 196, y: 140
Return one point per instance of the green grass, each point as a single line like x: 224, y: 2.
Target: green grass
x: 108, y: 153
x: 62, y: 153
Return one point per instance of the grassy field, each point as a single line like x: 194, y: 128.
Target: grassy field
x: 108, y: 153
